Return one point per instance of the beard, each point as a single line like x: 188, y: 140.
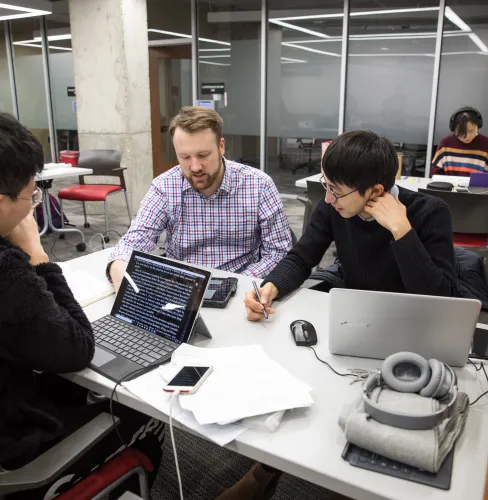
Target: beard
x: 205, y: 181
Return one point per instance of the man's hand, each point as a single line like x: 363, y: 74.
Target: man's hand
x: 117, y: 271
x: 390, y: 213
x: 26, y: 236
x: 254, y: 308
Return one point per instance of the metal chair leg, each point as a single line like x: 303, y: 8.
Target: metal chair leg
x: 84, y: 213
x: 128, y: 206
x: 106, y: 217
x: 62, y: 212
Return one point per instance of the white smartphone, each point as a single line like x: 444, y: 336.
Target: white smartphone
x: 188, y: 379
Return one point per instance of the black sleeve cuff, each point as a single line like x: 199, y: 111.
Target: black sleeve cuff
x: 47, y: 268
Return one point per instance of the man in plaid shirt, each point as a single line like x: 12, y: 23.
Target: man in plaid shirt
x: 215, y: 212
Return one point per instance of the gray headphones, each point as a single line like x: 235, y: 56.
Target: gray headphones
x: 409, y: 372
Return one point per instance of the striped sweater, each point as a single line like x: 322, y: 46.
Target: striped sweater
x: 454, y: 157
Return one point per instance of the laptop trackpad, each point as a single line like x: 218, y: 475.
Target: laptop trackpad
x: 101, y: 357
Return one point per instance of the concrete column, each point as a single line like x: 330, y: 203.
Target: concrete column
x: 111, y: 66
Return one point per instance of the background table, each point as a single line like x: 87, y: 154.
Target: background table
x: 50, y: 174
x: 309, y: 442
x: 412, y: 183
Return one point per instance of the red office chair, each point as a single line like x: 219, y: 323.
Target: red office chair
x: 103, y: 162
x: 469, y: 213
x: 51, y: 464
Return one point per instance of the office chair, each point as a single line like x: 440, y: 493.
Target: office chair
x: 310, y: 146
x: 103, y: 162
x: 51, y: 465
x: 414, y: 159
x: 469, y: 214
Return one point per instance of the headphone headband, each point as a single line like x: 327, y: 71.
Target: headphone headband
x: 405, y: 420
x: 465, y: 109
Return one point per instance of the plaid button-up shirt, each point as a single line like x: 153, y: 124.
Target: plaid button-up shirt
x: 241, y: 228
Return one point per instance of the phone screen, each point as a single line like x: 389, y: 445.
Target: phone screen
x: 189, y: 376
x: 480, y: 344
x: 219, y: 288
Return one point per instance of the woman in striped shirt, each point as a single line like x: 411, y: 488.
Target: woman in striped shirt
x: 464, y: 151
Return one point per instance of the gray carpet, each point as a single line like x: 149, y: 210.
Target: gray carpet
x: 207, y: 470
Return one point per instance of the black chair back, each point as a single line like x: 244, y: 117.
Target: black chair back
x: 315, y: 192
x: 106, y: 162
x: 469, y: 212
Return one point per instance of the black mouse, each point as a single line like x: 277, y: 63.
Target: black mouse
x: 303, y: 332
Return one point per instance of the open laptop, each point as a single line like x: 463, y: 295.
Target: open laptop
x: 156, y: 310
x: 478, y: 180
x: 376, y: 324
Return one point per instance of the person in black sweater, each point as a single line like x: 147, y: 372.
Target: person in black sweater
x: 43, y: 329
x: 387, y: 238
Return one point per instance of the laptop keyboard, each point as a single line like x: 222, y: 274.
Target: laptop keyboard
x: 130, y: 342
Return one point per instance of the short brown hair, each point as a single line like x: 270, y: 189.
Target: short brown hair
x: 194, y: 119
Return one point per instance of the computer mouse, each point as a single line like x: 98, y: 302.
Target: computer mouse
x: 303, y: 332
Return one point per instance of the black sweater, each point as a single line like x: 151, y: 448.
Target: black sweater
x: 42, y: 328
x: 422, y: 262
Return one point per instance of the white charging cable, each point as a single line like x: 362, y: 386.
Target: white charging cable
x: 175, y: 395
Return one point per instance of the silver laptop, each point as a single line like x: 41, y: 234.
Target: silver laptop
x: 376, y: 324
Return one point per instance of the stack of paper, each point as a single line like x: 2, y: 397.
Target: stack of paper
x: 149, y: 388
x: 86, y: 288
x: 245, y: 382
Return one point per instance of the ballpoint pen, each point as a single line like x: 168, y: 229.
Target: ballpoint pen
x: 256, y: 289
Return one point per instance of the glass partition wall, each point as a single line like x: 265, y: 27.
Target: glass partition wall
x: 397, y: 68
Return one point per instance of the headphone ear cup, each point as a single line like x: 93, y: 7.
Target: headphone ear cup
x: 448, y: 381
x: 438, y: 373
x: 392, y: 367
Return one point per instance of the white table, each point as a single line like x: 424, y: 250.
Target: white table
x: 50, y: 174
x: 309, y: 443
x: 412, y: 183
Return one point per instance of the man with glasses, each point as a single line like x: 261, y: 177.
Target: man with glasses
x: 387, y: 238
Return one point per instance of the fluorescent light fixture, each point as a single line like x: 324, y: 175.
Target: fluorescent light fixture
x: 214, y: 56
x: 455, y: 19
x: 289, y: 59
x: 357, y: 14
x: 27, y: 12
x: 209, y: 40
x: 391, y: 55
x: 462, y: 53
x: 214, y: 63
x: 384, y: 36
x: 172, y: 33
x: 183, y: 35
x: 60, y: 48
x: 477, y: 40
x: 299, y: 28
x: 281, y: 20
x: 29, y: 43
x: 54, y: 37
x: 212, y: 50
x: 309, y: 49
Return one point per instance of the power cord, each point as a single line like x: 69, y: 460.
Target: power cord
x: 327, y: 364
x: 180, y: 484
x: 91, y: 240
x: 481, y: 367
x: 121, y: 439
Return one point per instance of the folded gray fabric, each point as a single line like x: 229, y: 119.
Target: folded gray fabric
x: 425, y: 449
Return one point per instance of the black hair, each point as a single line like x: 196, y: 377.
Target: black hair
x: 360, y: 159
x: 461, y: 122
x: 21, y: 156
